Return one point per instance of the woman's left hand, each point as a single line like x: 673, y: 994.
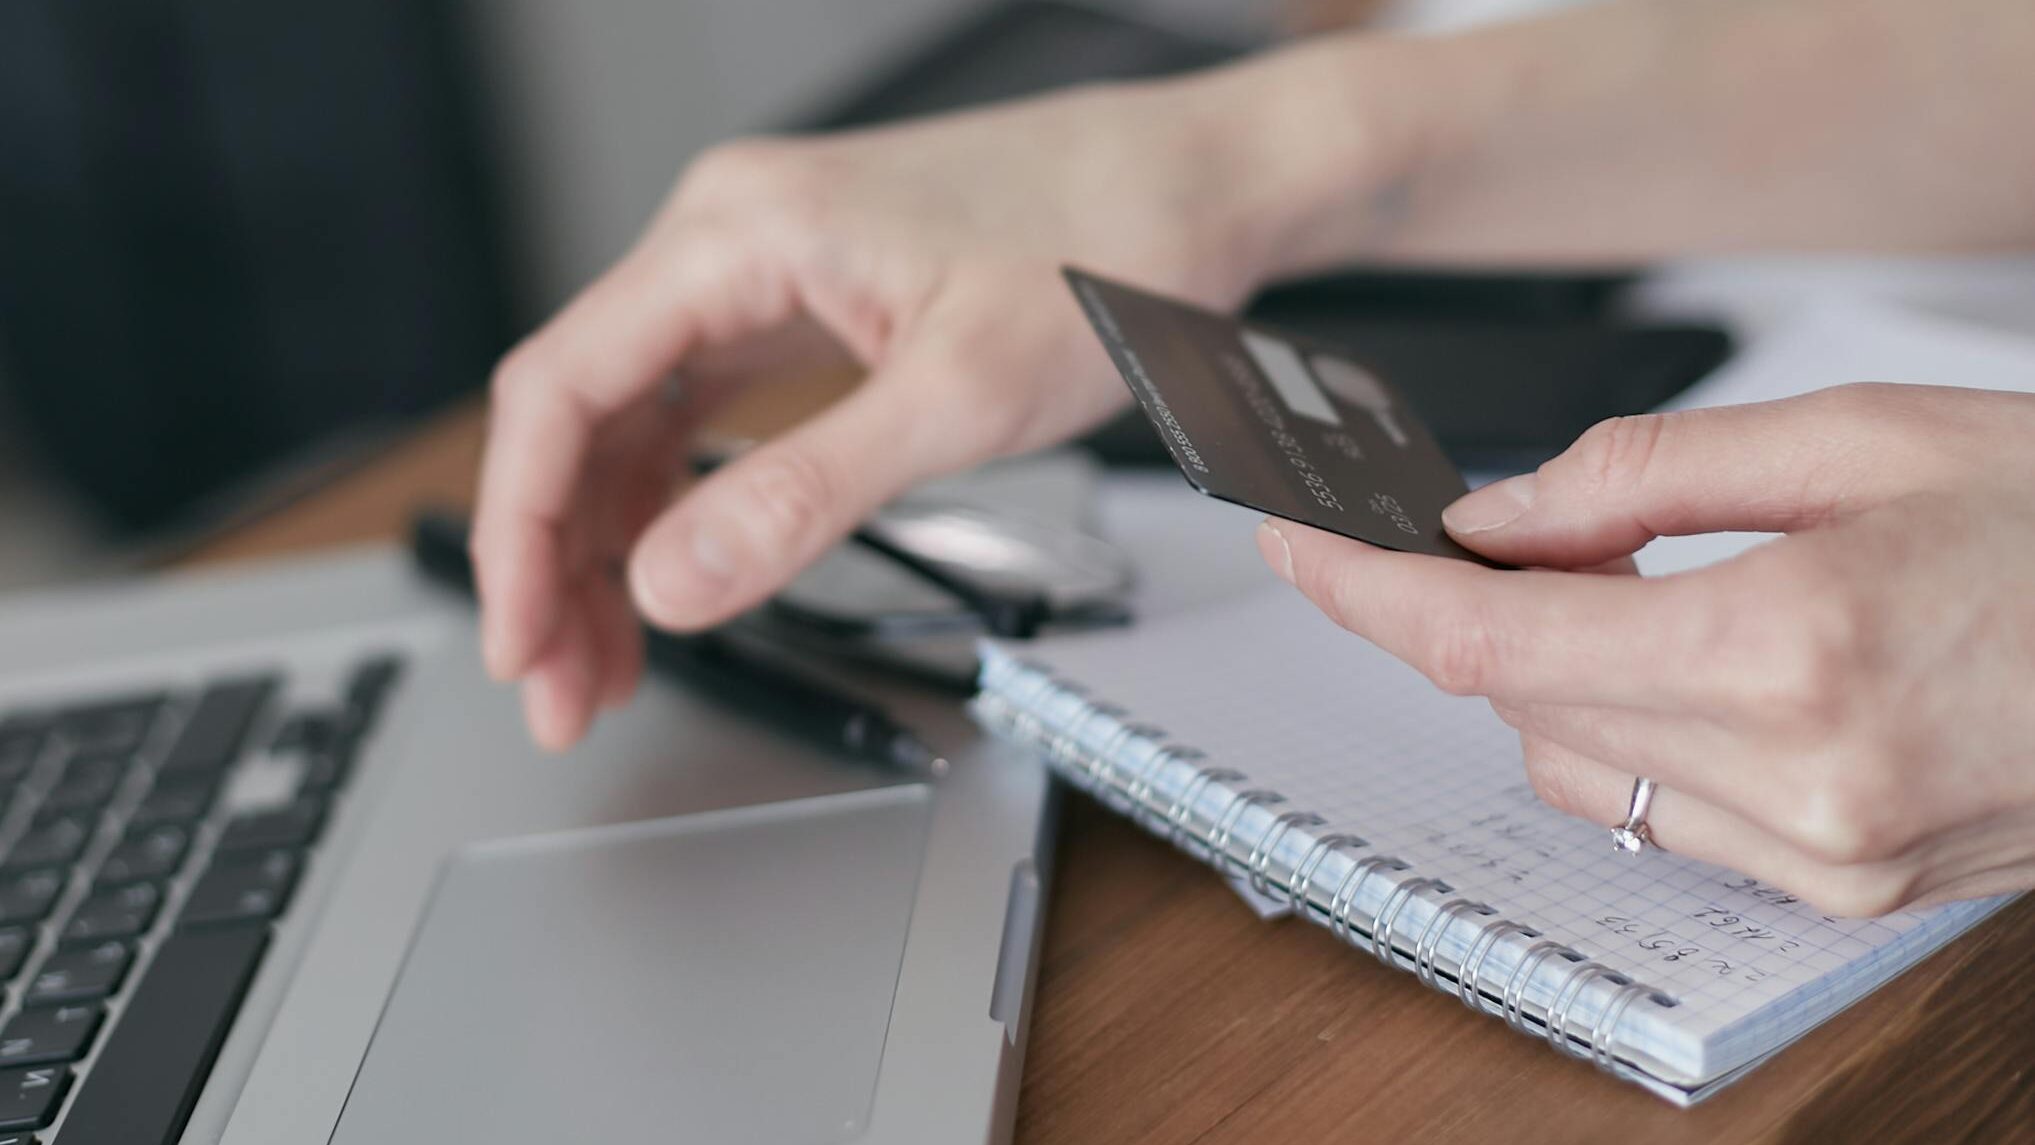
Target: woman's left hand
x: 1847, y: 712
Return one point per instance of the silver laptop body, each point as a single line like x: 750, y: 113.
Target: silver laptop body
x: 690, y: 929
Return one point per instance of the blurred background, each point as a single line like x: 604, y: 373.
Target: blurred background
x: 242, y: 244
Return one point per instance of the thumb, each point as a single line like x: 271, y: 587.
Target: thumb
x: 747, y: 529
x: 1766, y: 467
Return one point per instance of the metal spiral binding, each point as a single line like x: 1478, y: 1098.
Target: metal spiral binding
x: 1023, y: 711
x: 1388, y: 915
x: 1303, y: 875
x: 1026, y: 726
x: 1182, y: 808
x: 1470, y: 974
x: 1140, y: 791
x: 1606, y: 1029
x: 1564, y: 997
x: 1345, y: 896
x: 1429, y: 943
x: 1512, y: 1000
x: 1062, y: 740
x: 1089, y: 767
x: 1225, y: 824
x: 1268, y: 844
x: 1032, y: 695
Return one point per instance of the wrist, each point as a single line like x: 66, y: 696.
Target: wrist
x: 1312, y: 147
x: 1487, y: 145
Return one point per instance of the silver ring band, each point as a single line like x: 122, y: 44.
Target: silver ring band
x: 1632, y: 836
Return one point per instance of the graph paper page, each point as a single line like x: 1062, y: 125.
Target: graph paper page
x: 1269, y: 687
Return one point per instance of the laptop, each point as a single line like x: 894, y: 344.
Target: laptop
x: 278, y: 864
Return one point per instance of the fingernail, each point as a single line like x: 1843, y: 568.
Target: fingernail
x: 541, y: 713
x: 560, y: 702
x: 1277, y: 553
x: 675, y: 591
x: 1493, y: 507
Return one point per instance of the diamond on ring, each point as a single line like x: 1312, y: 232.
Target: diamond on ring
x: 1631, y: 837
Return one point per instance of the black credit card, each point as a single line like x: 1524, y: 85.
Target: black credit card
x: 1279, y: 423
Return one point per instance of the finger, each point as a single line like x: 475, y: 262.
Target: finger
x: 1686, y: 753
x: 560, y: 689
x: 2006, y: 878
x: 1686, y: 825
x: 594, y: 663
x: 617, y: 638
x: 750, y: 526
x: 1521, y: 635
x: 611, y: 346
x: 1767, y: 467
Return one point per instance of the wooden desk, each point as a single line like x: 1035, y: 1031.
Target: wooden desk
x: 1168, y: 1013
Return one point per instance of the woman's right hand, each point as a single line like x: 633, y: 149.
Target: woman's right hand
x: 930, y: 253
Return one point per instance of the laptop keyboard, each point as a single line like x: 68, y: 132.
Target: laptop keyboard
x: 141, y: 871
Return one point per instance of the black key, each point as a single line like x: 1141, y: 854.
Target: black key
x: 51, y: 1034
x: 326, y: 769
x: 28, y: 895
x: 51, y: 843
x: 175, y: 801
x: 20, y: 747
x: 18, y: 1139
x: 323, y: 743
x: 122, y: 912
x: 295, y: 825
x: 79, y: 974
x: 29, y: 1097
x: 369, y: 687
x: 307, y: 732
x: 88, y: 784
x: 145, y: 855
x: 218, y: 727
x: 15, y: 943
x: 240, y: 888
x: 118, y: 726
x: 149, y: 1072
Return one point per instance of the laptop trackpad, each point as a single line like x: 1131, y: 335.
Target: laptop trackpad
x: 716, y: 977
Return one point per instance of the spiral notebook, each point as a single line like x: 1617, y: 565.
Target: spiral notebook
x: 1330, y: 780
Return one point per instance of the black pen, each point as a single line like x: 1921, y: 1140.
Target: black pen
x: 717, y: 667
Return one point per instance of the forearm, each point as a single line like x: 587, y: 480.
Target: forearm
x: 1650, y: 128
